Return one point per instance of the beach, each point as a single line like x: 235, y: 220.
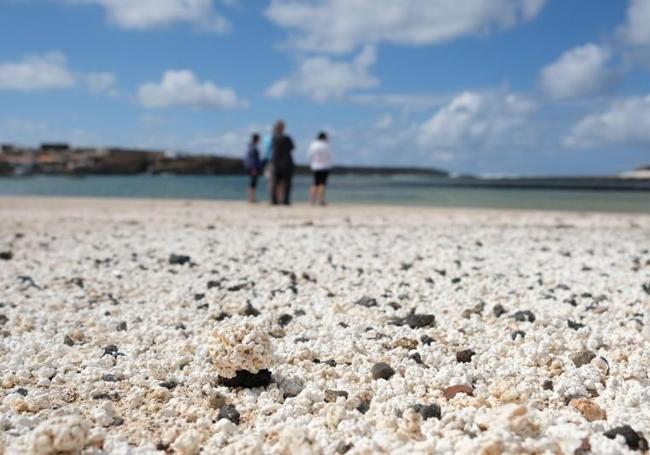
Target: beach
x: 385, y: 329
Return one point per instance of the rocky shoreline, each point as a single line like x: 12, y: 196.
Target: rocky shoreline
x: 179, y: 326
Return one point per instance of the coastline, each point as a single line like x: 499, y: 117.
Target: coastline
x: 329, y: 290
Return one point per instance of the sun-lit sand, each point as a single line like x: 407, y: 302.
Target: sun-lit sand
x: 365, y: 316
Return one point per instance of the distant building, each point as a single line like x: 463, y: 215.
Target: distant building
x: 7, y: 148
x: 55, y: 146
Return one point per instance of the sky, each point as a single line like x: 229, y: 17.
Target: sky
x: 528, y: 87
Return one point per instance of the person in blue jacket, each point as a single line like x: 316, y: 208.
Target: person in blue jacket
x: 253, y: 166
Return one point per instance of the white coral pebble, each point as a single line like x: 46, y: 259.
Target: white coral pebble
x: 188, y: 443
x: 243, y: 346
x: 66, y: 434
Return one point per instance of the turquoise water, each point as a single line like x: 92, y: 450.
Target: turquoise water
x: 398, y: 190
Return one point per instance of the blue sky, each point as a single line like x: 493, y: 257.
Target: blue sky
x: 480, y: 86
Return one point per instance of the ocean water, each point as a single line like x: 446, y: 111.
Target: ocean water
x: 396, y: 190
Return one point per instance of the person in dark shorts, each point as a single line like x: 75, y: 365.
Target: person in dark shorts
x: 282, y: 161
x: 320, y: 159
x: 253, y: 166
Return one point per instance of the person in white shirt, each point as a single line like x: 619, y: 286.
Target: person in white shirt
x: 320, y: 159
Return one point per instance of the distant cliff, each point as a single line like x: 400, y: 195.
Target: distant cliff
x: 60, y: 159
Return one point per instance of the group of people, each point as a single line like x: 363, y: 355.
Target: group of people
x: 275, y: 162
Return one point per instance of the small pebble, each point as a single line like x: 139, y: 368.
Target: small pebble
x: 452, y: 391
x: 247, y: 379
x: 382, y: 370
x: 524, y: 316
x: 465, y: 356
x: 229, y: 412
x: 179, y: 259
x: 427, y: 411
x: 518, y: 333
x: 6, y: 255
x: 634, y: 440
x: 498, y: 310
x: 582, y: 358
x: 366, y: 301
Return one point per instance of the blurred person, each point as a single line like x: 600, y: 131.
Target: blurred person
x: 320, y: 162
x: 267, y: 164
x: 253, y: 166
x: 282, y: 161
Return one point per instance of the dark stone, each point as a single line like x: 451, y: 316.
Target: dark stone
x: 382, y: 370
x: 299, y: 313
x: 3, y: 319
x: 465, y: 356
x: 247, y: 380
x: 111, y: 349
x: 117, y: 421
x: 121, y: 327
x: 6, y: 255
x: 518, y: 333
x: 366, y: 301
x: 498, y: 310
x: 548, y: 385
x: 79, y: 282
x: 21, y: 391
x: 229, y: 412
x: 332, y: 395
x: 364, y: 406
x: 416, y: 358
x: 68, y: 341
x: 214, y: 284
x: 524, y: 316
x: 237, y: 287
x: 169, y: 385
x: 114, y: 396
x: 343, y: 448
x: 198, y: 297
x: 221, y: 316
x: 109, y: 377
x: 571, y: 301
x: 416, y: 321
x: 394, y: 305
x: 179, y: 259
x: 301, y: 340
x: 284, y: 319
x: 634, y: 440
x: 455, y: 280
x: 582, y: 358
x: 427, y: 411
x: 575, y: 325
x: 646, y: 287
x: 180, y: 326
x: 203, y: 306
x: 330, y: 362
x: 426, y: 339
x: 250, y: 310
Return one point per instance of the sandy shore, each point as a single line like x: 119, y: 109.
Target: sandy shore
x: 540, y: 318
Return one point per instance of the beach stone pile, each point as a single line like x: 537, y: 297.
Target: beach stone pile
x: 182, y: 327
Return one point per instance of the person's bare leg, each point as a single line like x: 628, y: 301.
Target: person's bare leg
x: 321, y: 194
x: 280, y: 191
x: 313, y: 194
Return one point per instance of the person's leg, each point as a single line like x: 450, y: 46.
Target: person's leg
x: 321, y: 194
x: 280, y: 188
x: 252, y: 189
x: 274, y: 188
x: 312, y: 189
x: 286, y: 200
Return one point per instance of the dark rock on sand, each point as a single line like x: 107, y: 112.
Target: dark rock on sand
x: 111, y: 350
x: 366, y: 301
x: 518, y: 333
x: 343, y: 448
x: 247, y: 380
x: 6, y: 255
x: 582, y: 358
x: 121, y: 327
x: 646, y: 287
x: 416, y: 358
x: 498, y: 310
x: 179, y: 259
x: 382, y: 370
x: 250, y: 310
x: 3, y: 319
x: 575, y: 325
x: 229, y: 412
x: 364, y: 406
x: 634, y: 440
x: 416, y: 321
x: 332, y: 395
x: 548, y: 385
x: 68, y: 341
x: 451, y: 391
x: 426, y: 339
x: 198, y: 297
x: 427, y: 411
x: 109, y: 377
x: 169, y: 385
x: 465, y: 356
x: 214, y: 284
x: 524, y: 316
x: 284, y: 319
x: 21, y: 391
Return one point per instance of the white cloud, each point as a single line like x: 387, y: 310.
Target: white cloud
x: 149, y: 14
x: 636, y: 30
x: 37, y: 72
x: 476, y: 120
x: 321, y: 78
x: 50, y: 71
x: 578, y: 72
x: 406, y: 101
x: 626, y: 123
x: 342, y: 25
x: 182, y: 88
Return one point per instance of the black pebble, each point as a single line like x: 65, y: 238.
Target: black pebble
x: 417, y: 321
x: 330, y: 362
x: 3, y: 319
x: 427, y: 411
x: 121, y: 327
x: 109, y: 377
x: 169, y: 385
x: 21, y: 391
x: 343, y: 448
x: 548, y: 385
x: 498, y: 310
x: 247, y: 379
x: 646, y: 287
x: 382, y: 370
x: 229, y: 412
x: 517, y: 333
x: 634, y: 440
x: 111, y: 349
x: 179, y: 259
x: 6, y: 255
x: 221, y: 316
x: 214, y: 284
x: 284, y: 319
x: 366, y: 301
x: 198, y: 297
x: 582, y: 358
x: 416, y: 358
x: 251, y: 310
x: 524, y: 316
x: 426, y: 339
x: 299, y: 313
x: 465, y: 356
x: 68, y: 341
x: 574, y: 325
x: 364, y: 407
